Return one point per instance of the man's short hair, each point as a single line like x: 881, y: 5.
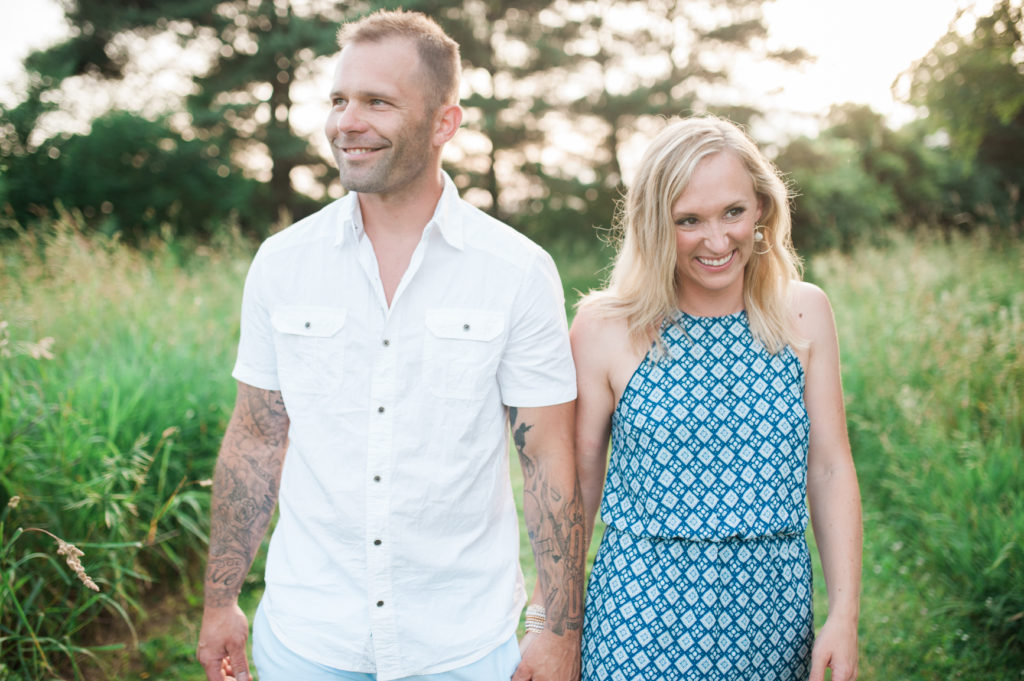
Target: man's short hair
x: 438, y: 53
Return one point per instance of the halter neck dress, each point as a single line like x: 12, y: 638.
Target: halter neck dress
x: 703, y: 572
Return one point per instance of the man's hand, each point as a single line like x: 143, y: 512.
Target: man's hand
x: 549, y: 657
x: 222, y: 639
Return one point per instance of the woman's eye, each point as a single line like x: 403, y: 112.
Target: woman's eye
x: 685, y: 222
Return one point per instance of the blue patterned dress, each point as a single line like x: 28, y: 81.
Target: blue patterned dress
x: 703, y: 572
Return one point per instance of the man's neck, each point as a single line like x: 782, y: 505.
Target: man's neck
x: 394, y: 225
x: 402, y: 213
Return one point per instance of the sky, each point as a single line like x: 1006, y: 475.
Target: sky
x: 860, y: 48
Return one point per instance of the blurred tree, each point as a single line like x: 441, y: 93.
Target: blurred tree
x: 131, y: 176
x: 241, y: 104
x: 973, y: 87
x: 838, y: 203
x: 628, y: 64
x: 245, y: 99
x: 556, y: 90
x: 858, y: 178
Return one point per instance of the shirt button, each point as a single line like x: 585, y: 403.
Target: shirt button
x: 380, y: 604
x: 307, y: 325
x: 465, y: 327
x: 386, y: 342
x: 376, y: 542
x: 380, y: 410
x: 376, y: 478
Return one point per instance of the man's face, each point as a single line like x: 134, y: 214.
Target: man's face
x: 379, y: 128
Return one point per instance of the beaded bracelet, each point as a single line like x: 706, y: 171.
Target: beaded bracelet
x: 535, y: 619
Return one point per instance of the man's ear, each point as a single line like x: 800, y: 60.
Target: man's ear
x: 447, y: 121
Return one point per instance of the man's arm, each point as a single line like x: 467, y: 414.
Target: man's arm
x: 553, y: 511
x: 245, y: 486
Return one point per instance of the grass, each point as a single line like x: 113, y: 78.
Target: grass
x: 932, y: 335
x: 108, y: 433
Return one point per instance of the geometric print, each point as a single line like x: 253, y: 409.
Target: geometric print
x: 703, y: 571
x: 710, y: 441
x: 680, y: 610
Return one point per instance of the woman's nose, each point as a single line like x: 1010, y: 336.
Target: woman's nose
x: 715, y: 237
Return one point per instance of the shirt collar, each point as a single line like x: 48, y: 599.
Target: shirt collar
x: 447, y: 219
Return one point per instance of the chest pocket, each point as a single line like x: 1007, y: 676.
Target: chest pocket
x: 310, y: 350
x: 461, y: 351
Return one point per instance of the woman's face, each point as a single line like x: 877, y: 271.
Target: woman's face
x: 714, y: 221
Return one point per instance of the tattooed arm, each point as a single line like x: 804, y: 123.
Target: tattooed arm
x: 245, y: 485
x: 553, y: 512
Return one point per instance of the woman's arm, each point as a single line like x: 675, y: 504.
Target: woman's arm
x: 594, y: 343
x: 832, y: 489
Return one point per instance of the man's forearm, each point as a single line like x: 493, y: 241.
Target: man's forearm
x: 245, y: 487
x: 553, y: 512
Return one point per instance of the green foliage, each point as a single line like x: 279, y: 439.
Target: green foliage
x: 109, y: 424
x: 933, y: 369
x: 518, y: 58
x: 240, y: 112
x: 106, y: 443
x: 973, y: 87
x: 130, y: 176
x: 838, y: 202
x: 858, y: 175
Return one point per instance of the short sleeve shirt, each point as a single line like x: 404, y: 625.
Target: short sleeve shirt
x: 396, y: 548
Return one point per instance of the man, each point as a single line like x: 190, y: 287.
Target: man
x: 388, y: 344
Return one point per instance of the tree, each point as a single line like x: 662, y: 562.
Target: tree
x: 973, y: 87
x: 242, y: 102
x: 537, y: 72
x: 140, y: 167
x: 629, y: 64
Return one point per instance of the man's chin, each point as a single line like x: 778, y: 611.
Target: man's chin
x: 365, y: 185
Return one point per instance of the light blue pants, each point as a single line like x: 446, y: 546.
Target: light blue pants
x: 275, y: 662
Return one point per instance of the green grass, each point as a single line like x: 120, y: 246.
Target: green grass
x: 932, y: 335
x: 109, y: 444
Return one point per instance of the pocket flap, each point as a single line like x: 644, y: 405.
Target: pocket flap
x: 308, y: 320
x: 456, y: 324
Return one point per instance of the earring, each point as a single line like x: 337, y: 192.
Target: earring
x: 759, y: 239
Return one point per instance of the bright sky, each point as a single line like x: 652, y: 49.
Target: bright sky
x: 861, y: 48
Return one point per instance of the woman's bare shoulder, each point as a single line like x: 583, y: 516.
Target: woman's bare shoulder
x: 811, y: 314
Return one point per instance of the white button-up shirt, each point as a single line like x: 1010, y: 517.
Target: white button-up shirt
x: 396, y: 549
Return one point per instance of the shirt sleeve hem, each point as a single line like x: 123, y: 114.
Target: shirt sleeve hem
x: 545, y: 399
x: 255, y: 378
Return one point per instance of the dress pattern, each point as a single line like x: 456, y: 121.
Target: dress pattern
x: 703, y: 571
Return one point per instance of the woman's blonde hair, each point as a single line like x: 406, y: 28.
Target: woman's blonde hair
x: 643, y: 287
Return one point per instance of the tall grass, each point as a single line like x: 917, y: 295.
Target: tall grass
x: 932, y: 335
x: 113, y: 395
x: 108, y: 432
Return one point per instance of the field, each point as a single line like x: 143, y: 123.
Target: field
x: 115, y: 389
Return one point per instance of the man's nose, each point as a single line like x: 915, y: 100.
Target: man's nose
x: 349, y: 119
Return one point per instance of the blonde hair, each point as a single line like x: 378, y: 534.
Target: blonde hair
x: 438, y: 53
x: 642, y: 287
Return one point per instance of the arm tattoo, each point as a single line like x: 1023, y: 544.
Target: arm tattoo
x: 246, y: 481
x: 554, y: 521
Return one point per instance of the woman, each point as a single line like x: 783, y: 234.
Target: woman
x: 715, y: 373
